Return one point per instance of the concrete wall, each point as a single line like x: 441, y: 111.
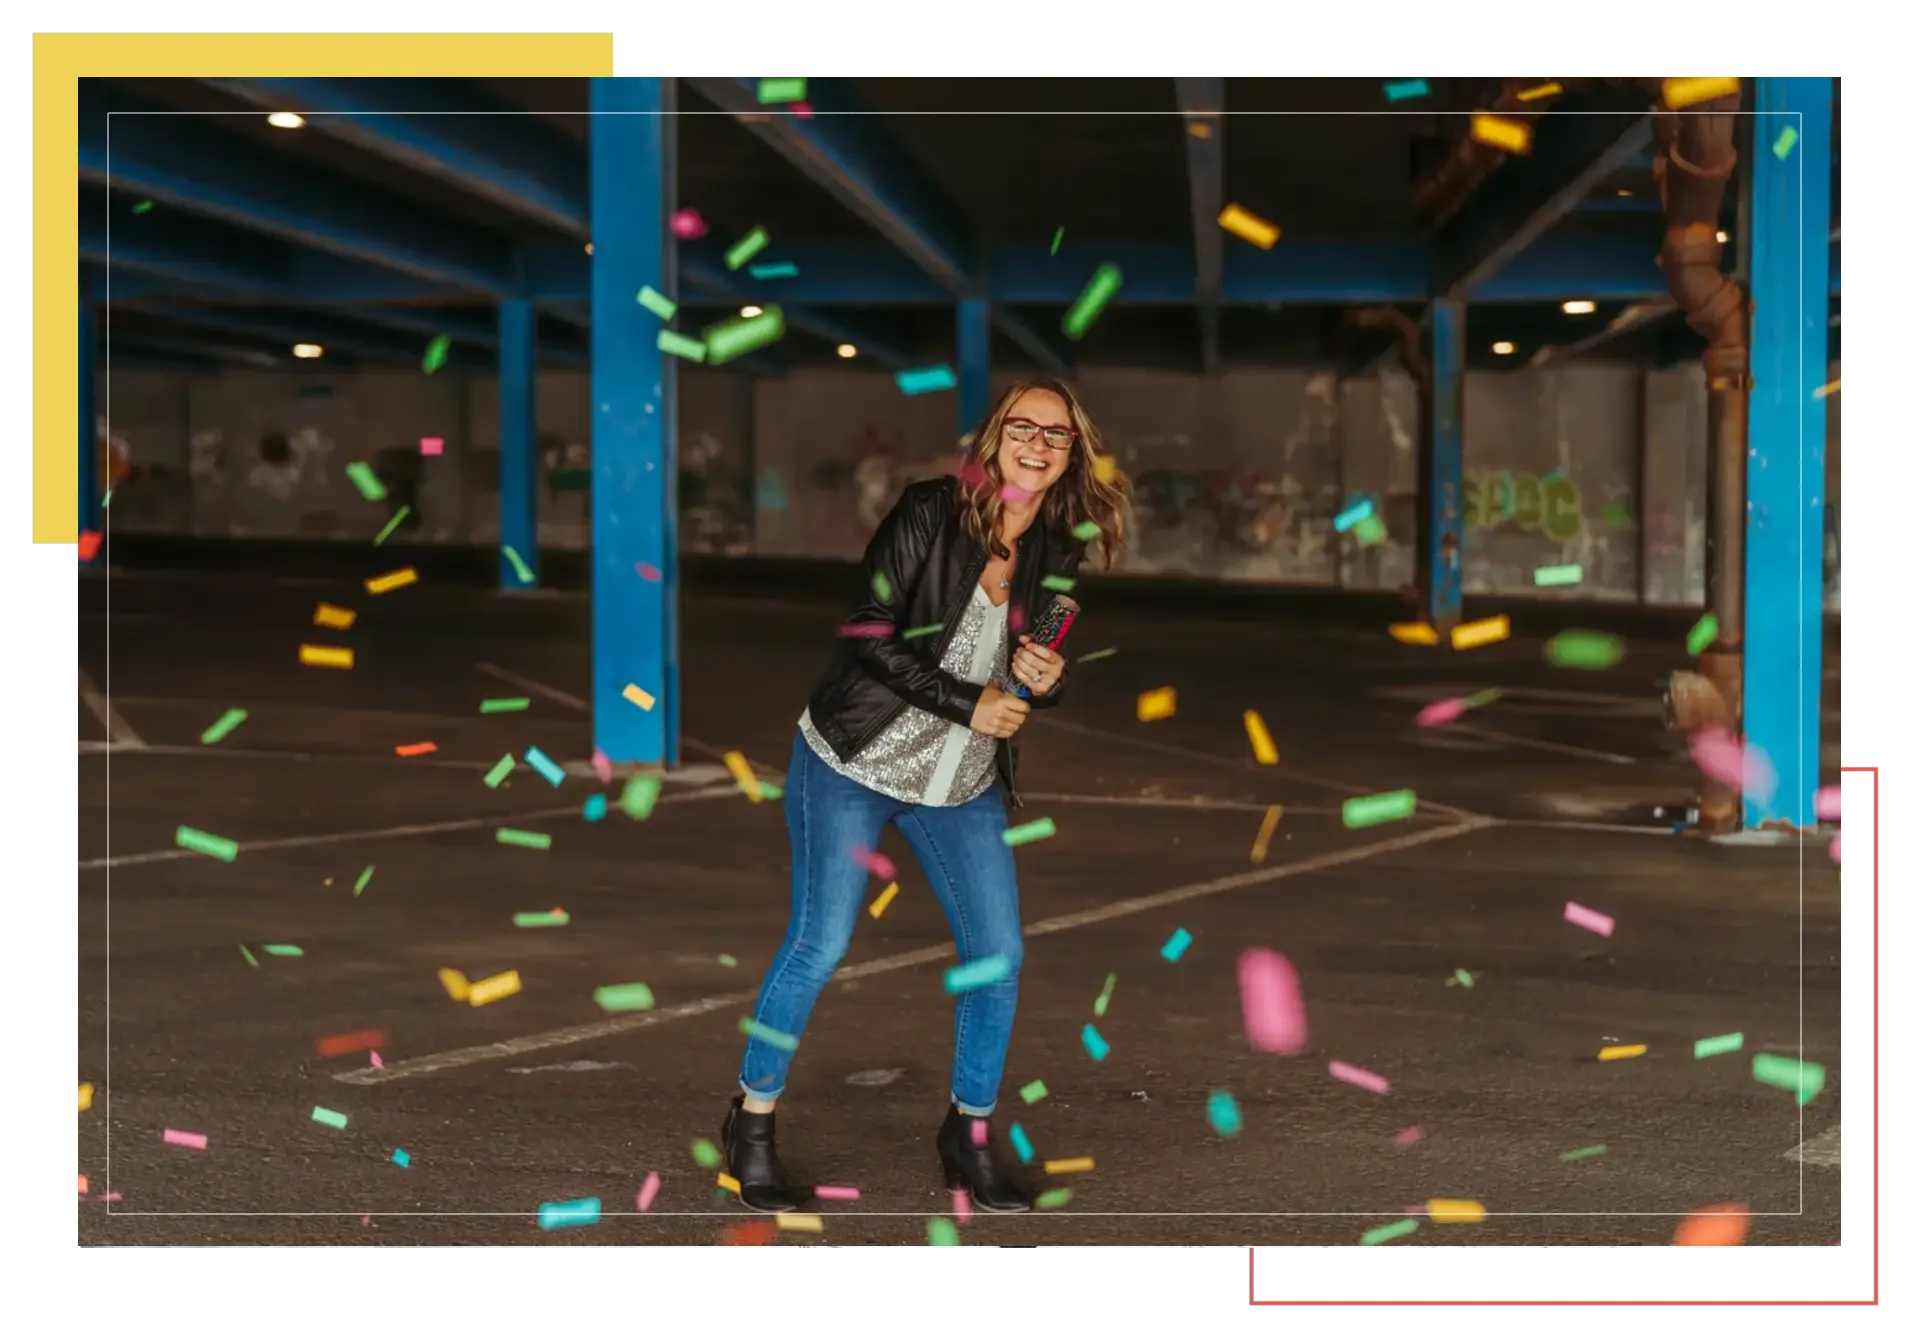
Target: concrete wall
x: 1236, y: 479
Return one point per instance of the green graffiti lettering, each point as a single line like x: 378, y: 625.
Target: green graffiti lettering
x: 1532, y: 504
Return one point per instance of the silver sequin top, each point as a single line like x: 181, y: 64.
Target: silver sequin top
x: 921, y: 757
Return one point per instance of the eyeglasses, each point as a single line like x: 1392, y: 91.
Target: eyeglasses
x: 1023, y: 432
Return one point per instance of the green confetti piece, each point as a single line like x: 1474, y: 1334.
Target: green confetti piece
x: 107, y: 500
x: 1176, y: 945
x: 1086, y: 530
x: 738, y: 337
x: 501, y: 769
x: 660, y: 305
x: 1106, y: 995
x: 1053, y: 1200
x: 225, y: 724
x: 1098, y: 654
x: 249, y: 957
x: 1030, y: 832
x: 1590, y: 1152
x: 505, y: 705
x: 728, y: 962
x: 1373, y: 1237
x: 1718, y: 1046
x: 1784, y: 144
x: 705, y: 1154
x: 1033, y: 1092
x: 773, y: 1038
x: 362, y: 882
x: 1058, y: 583
x: 557, y: 918
x: 1805, y: 1079
x: 436, y: 353
x: 1705, y: 631
x: 328, y: 1117
x: 1617, y: 515
x: 523, y: 838
x: 1479, y: 698
x: 1022, y: 1146
x: 1370, y: 532
x: 212, y: 845
x: 942, y: 1233
x: 1058, y: 234
x: 881, y: 588
x: 520, y: 571
x: 918, y: 631
x: 1553, y: 577
x: 1356, y: 813
x: 1223, y: 1114
x: 1586, y: 649
x: 1100, y: 289
x: 392, y: 524
x: 692, y: 349
x: 1462, y: 977
x: 289, y: 952
x: 772, y: 792
x: 624, y: 997
x: 782, y: 90
x: 980, y: 973
x: 144, y: 206
x: 638, y: 797
x: 363, y: 477
x: 747, y: 247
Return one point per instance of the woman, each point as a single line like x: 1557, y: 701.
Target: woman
x: 914, y: 732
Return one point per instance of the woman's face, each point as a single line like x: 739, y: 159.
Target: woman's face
x: 1036, y: 441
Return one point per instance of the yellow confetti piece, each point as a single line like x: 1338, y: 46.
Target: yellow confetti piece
x: 1268, y: 824
x: 1622, y: 1052
x: 1456, y: 1212
x: 397, y: 579
x: 325, y: 655
x: 1682, y: 93
x: 1501, y: 132
x: 879, y: 906
x: 1156, y: 704
x: 336, y: 618
x: 494, y: 988
x: 743, y: 775
x: 1476, y: 633
x: 1247, y: 227
x: 455, y: 982
x: 728, y: 1183
x: 637, y: 696
x: 86, y: 1097
x: 1831, y: 387
x: 1084, y: 1164
x: 1544, y: 90
x: 799, y: 1223
x: 1414, y: 632
x: 1104, y: 467
x: 1263, y: 748
x: 1199, y: 130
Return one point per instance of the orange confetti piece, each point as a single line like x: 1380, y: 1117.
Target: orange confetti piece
x: 1156, y: 704
x: 1501, y: 132
x: 83, y: 1184
x: 415, y: 749
x: 755, y: 1233
x: 338, y: 1045
x: 1713, y: 1226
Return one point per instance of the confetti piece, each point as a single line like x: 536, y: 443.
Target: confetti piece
x: 1352, y: 515
x: 688, y: 225
x: 648, y: 1190
x: 86, y: 1097
x: 1544, y: 90
x: 782, y: 90
x: 1104, y: 467
x: 1414, y: 632
x: 1083, y: 1164
x: 925, y: 380
x: 249, y: 957
x: 1408, y: 1136
x: 962, y: 1207
x: 602, y: 767
x: 191, y: 1140
x: 773, y: 1038
x: 881, y: 588
x: 1784, y: 144
x: 1501, y: 132
x: 523, y: 838
x: 736, y: 338
x: 397, y: 579
x: 1057, y: 583
x: 1623, y: 1051
x: 799, y: 1223
x: 1805, y: 1079
x: 402, y: 1158
x: 520, y: 570
x: 1683, y: 93
x: 1058, y: 234
x: 89, y: 545
x: 501, y: 769
x: 1086, y: 530
x: 83, y: 1183
x: 1370, y: 532
x: 494, y: 988
x: 144, y: 206
x: 1223, y: 1114
x: 876, y: 864
x: 634, y: 695
x: 658, y: 303
x: 416, y: 749
x: 1156, y: 704
x: 1031, y: 832
x: 1373, y: 1237
x: 594, y: 808
x: 638, y: 797
x: 1106, y: 995
x: 1100, y: 289
x: 436, y: 356
x: 557, y: 918
x: 743, y: 775
x: 691, y: 349
x: 879, y: 906
x: 1409, y: 88
x: 978, y: 974
x: 456, y: 983
x: 747, y: 247
x: 865, y: 630
x: 505, y: 705
x: 1476, y: 633
x: 1268, y: 824
x: 624, y: 997
x: 284, y: 951
x: 1263, y: 748
x: 1053, y: 1200
x: 1033, y: 1092
x: 1713, y: 1226
x: 1746, y: 768
x: 1456, y: 1212
x: 1826, y: 803
x: 1553, y: 577
x: 1098, y: 654
x: 1249, y: 228
x: 727, y: 1183
x: 837, y: 1193
x: 942, y: 1233
x: 324, y: 655
x: 768, y: 272
x: 328, y: 1117
x: 1831, y: 387
x: 1718, y: 1046
x: 1017, y: 1136
x: 979, y: 1131
x: 919, y: 631
x: 1439, y: 712
x: 544, y: 766
x: 570, y: 1214
x: 1462, y: 977
x: 225, y: 724
x: 212, y: 845
x: 337, y: 618
x: 1176, y: 945
x: 1590, y: 1152
x: 754, y: 1234
x: 339, y: 1045
x: 373, y: 1060
x: 1585, y: 649
x: 1598, y: 923
x: 1271, y: 1007
x: 395, y: 522
x: 1356, y: 813
x: 1705, y: 631
x: 433, y: 447
x: 1095, y: 1045
x: 370, y: 486
x: 705, y: 1154
x: 1353, y: 1075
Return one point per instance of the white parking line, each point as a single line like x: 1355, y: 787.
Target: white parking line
x: 1558, y: 748
x: 447, y: 1061
x: 560, y: 697
x: 101, y: 708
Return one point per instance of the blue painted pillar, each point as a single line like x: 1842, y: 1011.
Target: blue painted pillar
x: 1442, y: 531
x: 636, y: 561
x: 89, y: 439
x: 971, y: 343
x: 1787, y: 438
x: 519, y: 456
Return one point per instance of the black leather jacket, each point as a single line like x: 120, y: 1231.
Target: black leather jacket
x: 931, y: 565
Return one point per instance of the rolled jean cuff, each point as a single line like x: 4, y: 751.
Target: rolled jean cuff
x: 968, y: 1110
x: 761, y: 1095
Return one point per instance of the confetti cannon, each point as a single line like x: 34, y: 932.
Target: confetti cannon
x: 1050, y: 632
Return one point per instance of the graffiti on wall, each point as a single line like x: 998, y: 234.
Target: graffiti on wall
x: 1524, y: 502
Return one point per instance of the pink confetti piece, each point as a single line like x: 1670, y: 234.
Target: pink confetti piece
x: 1441, y: 711
x: 1826, y: 804
x: 602, y: 766
x: 1270, y: 1003
x: 1014, y: 495
x: 837, y: 1193
x: 962, y: 1205
x: 373, y: 1060
x: 1409, y: 1136
x: 192, y: 1140
x: 878, y: 863
x: 865, y: 630
x: 110, y: 1197
x: 1720, y: 756
x: 974, y: 476
x: 802, y: 110
x: 688, y: 225
x: 432, y: 445
x: 1016, y: 619
x: 980, y: 1131
x: 1353, y: 1075
x: 1833, y: 849
x: 647, y: 572
x: 648, y: 1190
x: 1584, y: 917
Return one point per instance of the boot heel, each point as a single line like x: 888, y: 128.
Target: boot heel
x: 955, y: 1178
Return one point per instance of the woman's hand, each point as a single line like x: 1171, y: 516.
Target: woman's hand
x: 998, y: 714
x: 1037, y: 667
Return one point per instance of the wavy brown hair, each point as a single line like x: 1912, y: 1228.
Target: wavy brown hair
x: 1080, y: 494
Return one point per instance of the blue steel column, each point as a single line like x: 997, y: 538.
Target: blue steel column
x: 1442, y: 468
x: 636, y: 563
x: 519, y: 460
x: 1787, y: 439
x: 971, y: 323
x: 89, y: 440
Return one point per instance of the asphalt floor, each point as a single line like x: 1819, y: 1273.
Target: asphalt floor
x: 1546, y: 795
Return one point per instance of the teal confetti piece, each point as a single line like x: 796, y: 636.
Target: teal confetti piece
x: 658, y: 303
x: 328, y: 1117
x: 1223, y: 1114
x: 436, y: 353
x: 1352, y: 515
x: 768, y: 272
x: 505, y: 705
x: 544, y: 766
x: 106, y: 500
x: 557, y: 918
x: 1553, y: 577
x: 782, y: 90
x: 365, y: 879
x: 393, y: 523
x: 728, y: 962
x: 1028, y: 833
x: 1053, y: 1200
x: 736, y: 338
x: 1462, y: 977
x: 1705, y: 631
x: 1033, y: 1092
x: 1370, y: 532
x: 1719, y: 1046
x: 942, y: 1233
x: 144, y: 206
x: 1023, y: 1147
x: 1095, y: 1045
x: 225, y: 724
x: 980, y: 973
x: 773, y: 1038
x: 501, y: 769
x: 705, y: 1154
x: 747, y: 247
x: 1373, y: 1237
x: 1590, y: 1152
x: 690, y: 349
x: 1406, y: 89
x: 1805, y: 1079
x: 370, y: 486
x: 624, y: 997
x: 1086, y: 530
x: 1586, y: 649
x: 570, y: 1214
x: 1058, y: 234
x: 595, y: 807
x: 881, y: 588
x: 1356, y: 813
x: 1176, y: 945
x: 1098, y: 654
x: 520, y: 571
x: 1106, y: 995
x: 638, y: 797
x: 1100, y: 289
x: 918, y: 631
x: 285, y: 951
x: 925, y: 379
x: 212, y: 845
x: 249, y: 956
x: 1784, y: 144
x: 402, y: 1158
x: 523, y: 838
x: 1057, y: 583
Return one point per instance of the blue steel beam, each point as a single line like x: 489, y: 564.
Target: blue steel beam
x: 517, y: 365
x: 1201, y: 103
x: 445, y: 129
x: 1442, y: 495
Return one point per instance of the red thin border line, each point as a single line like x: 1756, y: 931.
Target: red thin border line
x: 1874, y: 1301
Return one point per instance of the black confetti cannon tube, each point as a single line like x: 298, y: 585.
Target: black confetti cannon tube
x: 1051, y: 632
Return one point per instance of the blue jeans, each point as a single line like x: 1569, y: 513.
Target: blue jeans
x: 971, y: 870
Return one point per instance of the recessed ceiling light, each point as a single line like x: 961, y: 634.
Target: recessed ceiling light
x: 1577, y: 307
x: 1503, y: 349
x: 748, y: 312
x: 307, y: 351
x: 1721, y: 237
x: 286, y: 120
x: 847, y: 350
x: 1624, y: 194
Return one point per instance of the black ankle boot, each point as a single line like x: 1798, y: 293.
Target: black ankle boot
x: 969, y: 1164
x: 754, y: 1163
